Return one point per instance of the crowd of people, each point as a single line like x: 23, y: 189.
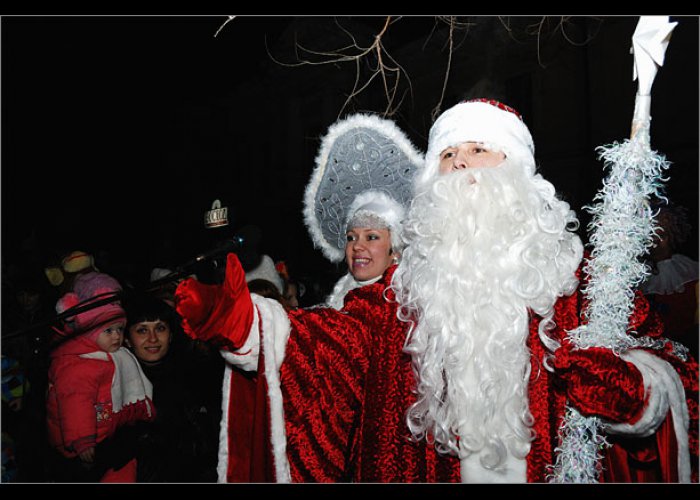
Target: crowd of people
x: 441, y: 354
x: 108, y: 392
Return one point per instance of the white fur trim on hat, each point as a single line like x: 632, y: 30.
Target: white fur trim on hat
x: 384, y: 207
x: 266, y: 271
x: 478, y: 121
x: 158, y: 273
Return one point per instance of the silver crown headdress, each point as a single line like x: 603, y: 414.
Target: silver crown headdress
x: 358, y: 154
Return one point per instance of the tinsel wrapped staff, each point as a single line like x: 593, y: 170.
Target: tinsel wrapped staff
x: 622, y: 231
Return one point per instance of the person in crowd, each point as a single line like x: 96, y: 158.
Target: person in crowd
x: 28, y: 301
x: 166, y: 291
x: 292, y: 290
x: 672, y: 285
x: 9, y: 472
x: 28, y: 307
x: 266, y: 288
x: 96, y: 388
x: 486, y: 290
x: 180, y: 445
x: 263, y: 267
x: 13, y: 389
x: 373, y: 242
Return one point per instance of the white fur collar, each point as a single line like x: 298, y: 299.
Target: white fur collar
x: 336, y: 299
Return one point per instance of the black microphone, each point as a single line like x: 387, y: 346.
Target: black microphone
x: 224, y: 247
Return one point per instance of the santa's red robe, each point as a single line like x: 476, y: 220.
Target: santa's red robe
x: 334, y: 391
x: 321, y: 395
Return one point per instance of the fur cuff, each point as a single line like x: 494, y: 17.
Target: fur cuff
x: 275, y: 329
x: 664, y: 390
x: 246, y: 357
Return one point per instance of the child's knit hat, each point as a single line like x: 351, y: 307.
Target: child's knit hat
x: 88, y: 289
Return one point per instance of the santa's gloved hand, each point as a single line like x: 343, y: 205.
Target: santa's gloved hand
x: 599, y: 383
x: 222, y: 314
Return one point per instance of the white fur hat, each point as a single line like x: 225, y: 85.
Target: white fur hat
x: 490, y: 122
x: 379, y: 205
x: 266, y: 271
x: 159, y: 273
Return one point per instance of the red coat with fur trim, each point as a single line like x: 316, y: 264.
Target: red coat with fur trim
x: 79, y: 399
x: 365, y: 386
x: 652, y: 458
x: 326, y: 395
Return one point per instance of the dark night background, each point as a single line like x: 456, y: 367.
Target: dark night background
x: 118, y: 132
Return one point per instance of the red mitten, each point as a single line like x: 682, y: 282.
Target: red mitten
x: 599, y: 383
x: 222, y: 314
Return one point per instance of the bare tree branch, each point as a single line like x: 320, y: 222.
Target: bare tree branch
x: 393, y: 76
x: 229, y: 19
x: 383, y: 65
x: 436, y: 110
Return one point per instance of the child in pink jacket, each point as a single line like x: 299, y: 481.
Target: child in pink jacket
x: 96, y: 387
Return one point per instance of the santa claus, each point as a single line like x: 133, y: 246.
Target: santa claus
x: 490, y: 280
x: 486, y: 291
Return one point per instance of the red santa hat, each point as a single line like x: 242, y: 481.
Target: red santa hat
x: 498, y: 126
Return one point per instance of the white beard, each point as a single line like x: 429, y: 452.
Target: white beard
x: 484, y: 246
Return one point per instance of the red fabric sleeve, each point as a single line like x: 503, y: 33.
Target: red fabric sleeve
x: 76, y: 395
x: 601, y: 383
x: 220, y: 314
x: 323, y: 382
x: 598, y: 382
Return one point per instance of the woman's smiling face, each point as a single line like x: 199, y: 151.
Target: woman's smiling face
x: 368, y: 252
x: 150, y: 340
